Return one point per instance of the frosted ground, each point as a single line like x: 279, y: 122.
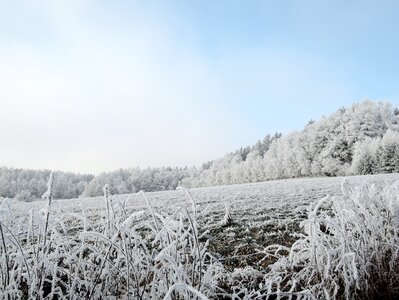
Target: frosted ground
x: 262, y: 213
x: 272, y: 240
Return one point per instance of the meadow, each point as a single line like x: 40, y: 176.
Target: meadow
x: 314, y: 238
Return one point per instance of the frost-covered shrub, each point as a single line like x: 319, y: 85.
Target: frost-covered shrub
x: 24, y: 196
x: 365, y: 157
x: 349, y: 249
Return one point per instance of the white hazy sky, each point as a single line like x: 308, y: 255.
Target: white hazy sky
x: 93, y: 86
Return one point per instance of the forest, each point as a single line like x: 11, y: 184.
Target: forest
x: 362, y: 139
x: 358, y: 140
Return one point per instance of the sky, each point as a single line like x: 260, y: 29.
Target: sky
x: 91, y: 86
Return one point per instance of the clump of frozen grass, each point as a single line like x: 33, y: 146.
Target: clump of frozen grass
x: 227, y: 219
x: 349, y: 249
x: 139, y: 255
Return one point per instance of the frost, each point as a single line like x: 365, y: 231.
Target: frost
x: 318, y: 238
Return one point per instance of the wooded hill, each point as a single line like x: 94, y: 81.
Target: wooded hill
x: 361, y: 139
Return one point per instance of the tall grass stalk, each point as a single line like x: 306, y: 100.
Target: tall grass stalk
x: 6, y: 274
x: 48, y: 195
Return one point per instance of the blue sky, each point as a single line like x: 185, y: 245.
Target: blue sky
x: 93, y: 86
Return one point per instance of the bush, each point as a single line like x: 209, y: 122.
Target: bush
x: 24, y: 196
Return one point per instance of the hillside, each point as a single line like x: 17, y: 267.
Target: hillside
x: 361, y: 139
x: 358, y: 140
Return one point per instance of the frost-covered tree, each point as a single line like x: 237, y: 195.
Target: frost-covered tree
x: 365, y: 157
x: 388, y: 153
x: 28, y: 185
x: 361, y: 139
x: 132, y: 180
x: 356, y: 140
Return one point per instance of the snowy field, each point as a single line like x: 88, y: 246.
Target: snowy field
x: 250, y: 203
x: 261, y: 214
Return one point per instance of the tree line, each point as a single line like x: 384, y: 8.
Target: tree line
x: 361, y: 139
x: 28, y: 185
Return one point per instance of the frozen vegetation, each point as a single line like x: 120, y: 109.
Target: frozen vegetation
x: 321, y: 238
x: 361, y: 139
x: 28, y: 185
